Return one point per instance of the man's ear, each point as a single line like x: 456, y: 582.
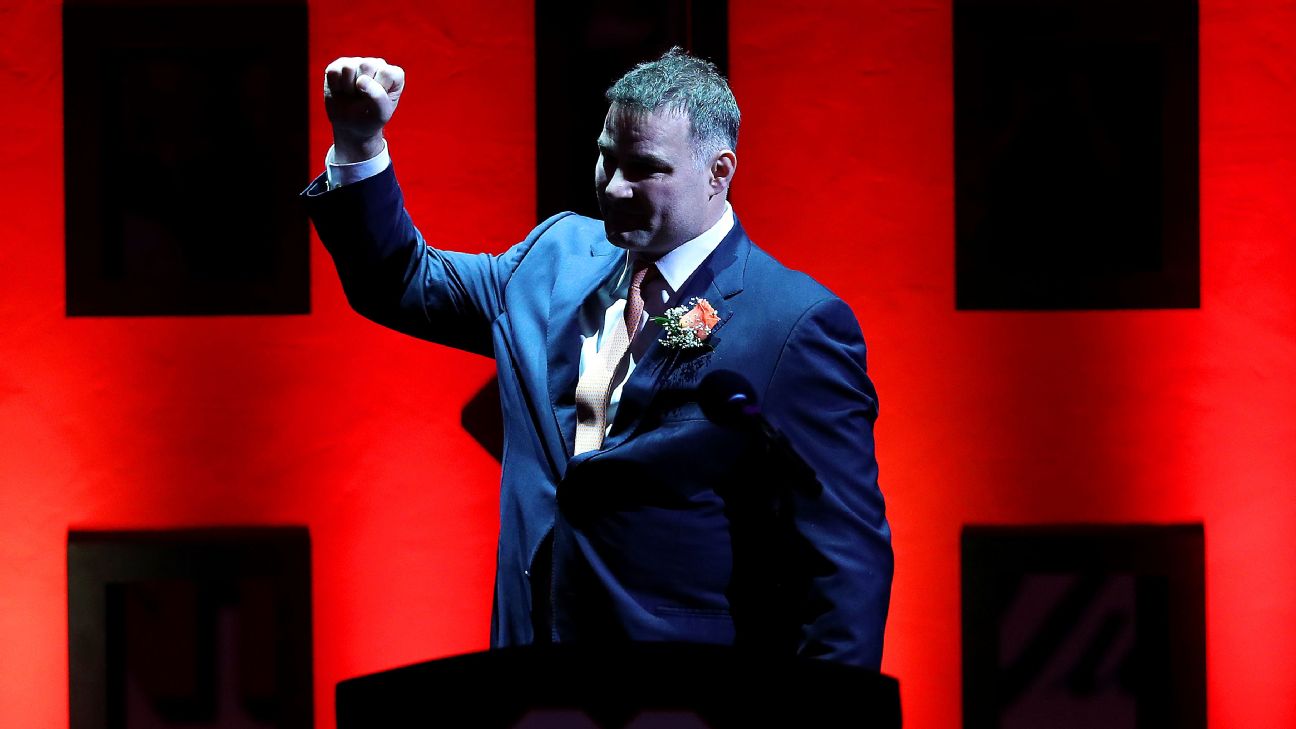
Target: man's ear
x: 723, y: 166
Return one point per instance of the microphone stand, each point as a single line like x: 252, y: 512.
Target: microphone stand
x: 763, y: 520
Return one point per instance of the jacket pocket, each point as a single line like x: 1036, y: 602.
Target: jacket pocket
x: 697, y: 625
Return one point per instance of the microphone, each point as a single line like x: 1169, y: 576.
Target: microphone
x: 728, y: 399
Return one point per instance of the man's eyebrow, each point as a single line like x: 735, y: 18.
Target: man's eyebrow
x: 608, y: 148
x: 650, y: 159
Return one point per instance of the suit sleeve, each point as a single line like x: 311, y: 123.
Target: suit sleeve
x: 390, y: 275
x: 821, y: 398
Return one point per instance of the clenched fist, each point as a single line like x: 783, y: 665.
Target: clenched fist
x: 360, y: 96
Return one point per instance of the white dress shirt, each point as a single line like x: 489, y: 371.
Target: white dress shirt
x: 606, y: 308
x: 345, y: 174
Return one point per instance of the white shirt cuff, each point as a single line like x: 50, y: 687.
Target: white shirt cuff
x: 345, y: 174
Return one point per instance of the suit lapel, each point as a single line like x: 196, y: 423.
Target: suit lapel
x: 718, y: 280
x: 578, y: 278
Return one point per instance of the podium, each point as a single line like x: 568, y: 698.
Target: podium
x: 623, y: 686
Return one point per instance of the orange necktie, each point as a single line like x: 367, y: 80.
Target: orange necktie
x: 596, y: 383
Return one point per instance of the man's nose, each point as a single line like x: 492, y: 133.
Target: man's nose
x: 618, y: 187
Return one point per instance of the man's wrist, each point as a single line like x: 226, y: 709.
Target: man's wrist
x: 348, y: 150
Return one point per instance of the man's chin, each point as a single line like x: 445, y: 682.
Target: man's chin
x: 628, y: 239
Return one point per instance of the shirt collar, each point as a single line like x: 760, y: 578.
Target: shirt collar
x: 676, y: 266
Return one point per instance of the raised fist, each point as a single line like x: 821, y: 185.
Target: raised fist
x: 360, y: 96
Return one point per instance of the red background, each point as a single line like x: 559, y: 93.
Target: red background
x: 847, y: 148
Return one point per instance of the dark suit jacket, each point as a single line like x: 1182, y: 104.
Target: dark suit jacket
x: 677, y: 528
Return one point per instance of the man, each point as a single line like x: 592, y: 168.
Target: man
x: 626, y: 514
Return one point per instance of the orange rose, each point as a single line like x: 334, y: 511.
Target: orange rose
x: 701, y: 318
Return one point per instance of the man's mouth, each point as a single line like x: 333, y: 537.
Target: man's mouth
x: 620, y: 220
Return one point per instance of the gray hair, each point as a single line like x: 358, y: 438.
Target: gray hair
x: 685, y: 85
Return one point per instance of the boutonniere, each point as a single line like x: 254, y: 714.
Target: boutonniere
x: 687, y: 326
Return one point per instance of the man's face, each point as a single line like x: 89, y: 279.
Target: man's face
x: 653, y: 195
